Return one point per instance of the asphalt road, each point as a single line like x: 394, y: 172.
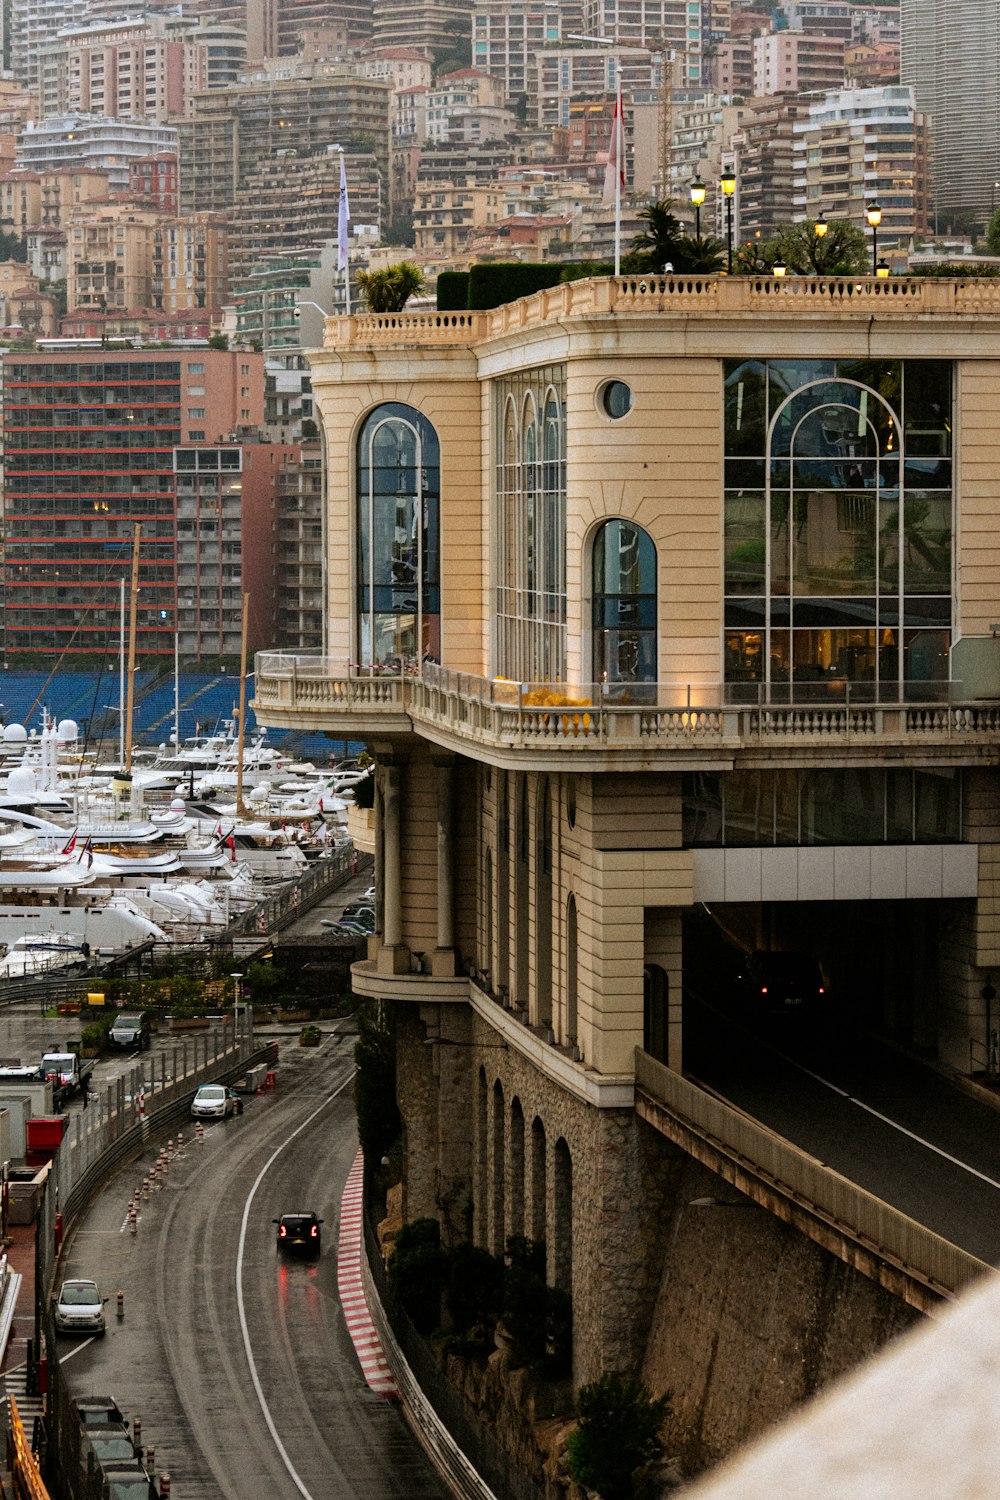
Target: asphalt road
x: 239, y: 1364
x: 896, y: 1128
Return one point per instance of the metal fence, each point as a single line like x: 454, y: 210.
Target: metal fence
x: 297, y: 896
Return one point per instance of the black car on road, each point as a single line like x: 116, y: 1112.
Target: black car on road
x: 298, y: 1234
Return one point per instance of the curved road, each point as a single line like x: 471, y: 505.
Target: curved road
x: 893, y: 1126
x: 238, y: 1363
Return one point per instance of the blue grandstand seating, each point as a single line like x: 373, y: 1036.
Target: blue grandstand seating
x: 207, y: 700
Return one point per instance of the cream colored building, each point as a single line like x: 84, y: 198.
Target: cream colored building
x: 121, y: 257
x: 667, y: 608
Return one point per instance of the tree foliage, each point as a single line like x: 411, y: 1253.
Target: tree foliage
x: 375, y: 1081
x: 993, y: 233
x: 842, y: 251
x: 663, y: 244
x: 390, y: 290
x: 618, y: 1433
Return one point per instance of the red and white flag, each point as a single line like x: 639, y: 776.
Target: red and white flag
x: 71, y: 845
x: 614, y: 172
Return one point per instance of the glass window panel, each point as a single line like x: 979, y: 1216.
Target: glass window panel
x: 927, y: 473
x: 936, y: 806
x: 748, y: 611
x: 745, y: 657
x: 825, y: 660
x: 749, y: 809
x: 927, y: 407
x: 745, y: 544
x: 927, y: 543
x: 786, y: 807
x: 843, y: 807
x: 745, y: 473
x: 834, y: 543
x: 746, y: 408
x: 702, y: 809
x: 781, y: 543
x: 899, y: 807
x: 926, y: 659
x: 888, y: 546
x: 834, y: 474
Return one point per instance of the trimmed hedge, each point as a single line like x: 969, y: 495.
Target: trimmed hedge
x: 489, y: 285
x: 453, y: 291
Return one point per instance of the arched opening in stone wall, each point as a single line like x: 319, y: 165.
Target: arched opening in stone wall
x: 536, y: 1208
x: 516, y: 1167
x: 503, y: 882
x: 497, y: 1198
x: 562, y: 1208
x: 481, y: 1227
x: 571, y: 973
x: 522, y: 855
x: 543, y: 907
x: 655, y: 1005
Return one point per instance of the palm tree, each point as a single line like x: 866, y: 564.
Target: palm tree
x: 391, y: 289
x: 658, y: 242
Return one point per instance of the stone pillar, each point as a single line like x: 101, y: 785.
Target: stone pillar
x: 443, y: 957
x: 393, y: 958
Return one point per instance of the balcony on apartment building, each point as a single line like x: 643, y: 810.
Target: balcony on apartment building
x: 637, y: 724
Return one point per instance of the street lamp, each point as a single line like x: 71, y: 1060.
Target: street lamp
x: 882, y: 270
x: 697, y: 191
x: 727, y: 182
x: 779, y: 268
x: 821, y: 226
x: 873, y: 213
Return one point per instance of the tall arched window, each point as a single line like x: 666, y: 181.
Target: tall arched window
x: 398, y: 540
x: 624, y: 593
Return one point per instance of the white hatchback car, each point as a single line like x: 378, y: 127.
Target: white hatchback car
x: 79, y: 1308
x: 213, y: 1101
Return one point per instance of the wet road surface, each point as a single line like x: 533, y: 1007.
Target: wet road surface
x: 237, y: 1362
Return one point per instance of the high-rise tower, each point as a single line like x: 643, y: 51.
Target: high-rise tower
x: 950, y: 57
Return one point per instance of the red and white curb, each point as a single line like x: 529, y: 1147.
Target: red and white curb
x: 367, y: 1345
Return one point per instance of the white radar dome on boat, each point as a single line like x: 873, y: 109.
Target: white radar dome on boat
x: 67, y: 729
x: 177, y: 804
x: 21, y: 782
x: 14, y: 734
x: 257, y: 796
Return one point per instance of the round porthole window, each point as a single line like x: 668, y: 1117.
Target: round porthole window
x: 616, y: 399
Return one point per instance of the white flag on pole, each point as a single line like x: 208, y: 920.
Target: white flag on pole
x: 614, y: 172
x: 343, y: 218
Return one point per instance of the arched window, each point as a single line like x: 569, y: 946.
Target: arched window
x: 624, y: 594
x: 398, y: 540
x: 572, y: 980
x: 543, y: 907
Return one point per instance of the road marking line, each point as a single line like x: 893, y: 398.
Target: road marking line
x: 894, y: 1124
x: 244, y: 1328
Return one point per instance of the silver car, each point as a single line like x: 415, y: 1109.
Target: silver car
x: 79, y: 1308
x: 213, y: 1101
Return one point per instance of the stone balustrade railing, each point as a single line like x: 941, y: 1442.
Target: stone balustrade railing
x: 792, y: 296
x: 657, y: 715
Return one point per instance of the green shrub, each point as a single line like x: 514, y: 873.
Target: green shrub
x: 310, y: 1036
x: 473, y: 1296
x: 537, y: 1317
x: 95, y: 1034
x: 619, y: 1432
x: 418, y: 1269
x: 452, y: 291
x: 379, y: 1123
x: 506, y: 281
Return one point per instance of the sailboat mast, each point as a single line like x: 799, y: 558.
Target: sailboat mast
x: 121, y: 670
x: 241, y: 811
x: 132, y: 624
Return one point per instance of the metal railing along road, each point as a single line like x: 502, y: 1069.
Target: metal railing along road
x: 622, y: 716
x: 853, y: 1211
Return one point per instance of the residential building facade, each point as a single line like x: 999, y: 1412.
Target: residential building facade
x: 90, y: 438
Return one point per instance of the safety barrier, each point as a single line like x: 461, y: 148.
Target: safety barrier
x: 875, y: 1226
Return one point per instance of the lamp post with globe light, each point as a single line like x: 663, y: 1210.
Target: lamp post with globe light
x: 727, y: 182
x: 697, y: 191
x: 873, y: 213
